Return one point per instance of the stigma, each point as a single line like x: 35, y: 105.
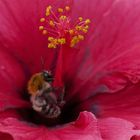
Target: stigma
x: 57, y: 26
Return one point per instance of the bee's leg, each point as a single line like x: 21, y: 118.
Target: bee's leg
x: 37, y: 103
x: 60, y: 100
x: 53, y: 111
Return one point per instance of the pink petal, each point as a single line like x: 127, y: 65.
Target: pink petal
x: 19, y: 22
x: 11, y: 72
x: 114, y: 53
x: 108, y: 59
x: 86, y: 127
x: 117, y: 129
x: 124, y: 104
x: 12, y: 81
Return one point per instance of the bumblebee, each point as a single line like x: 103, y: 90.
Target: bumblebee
x: 43, y: 97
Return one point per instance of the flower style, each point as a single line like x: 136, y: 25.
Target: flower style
x: 99, y: 69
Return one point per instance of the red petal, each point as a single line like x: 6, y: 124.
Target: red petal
x: 10, y: 113
x: 11, y: 72
x: 117, y: 129
x: 19, y: 22
x: 123, y: 105
x: 108, y: 59
x: 6, y: 136
x: 86, y: 127
x: 12, y: 81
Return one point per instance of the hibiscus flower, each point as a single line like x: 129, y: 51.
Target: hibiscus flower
x: 100, y: 75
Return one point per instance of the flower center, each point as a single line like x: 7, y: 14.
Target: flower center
x: 59, y: 30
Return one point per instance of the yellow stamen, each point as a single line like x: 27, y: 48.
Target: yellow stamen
x: 51, y: 45
x: 61, y: 30
x: 51, y: 23
x: 79, y: 28
x: 85, y: 30
x: 67, y: 8
x: 50, y: 38
x: 44, y: 32
x: 53, y: 42
x: 63, y: 17
x: 87, y: 21
x: 80, y: 19
x: 60, y: 10
x: 48, y: 9
x: 80, y: 37
x: 74, y: 41
x: 42, y: 19
x: 41, y: 28
x: 71, y: 31
x: 86, y: 27
x: 61, y: 41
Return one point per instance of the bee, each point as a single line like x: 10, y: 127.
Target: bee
x: 43, y: 96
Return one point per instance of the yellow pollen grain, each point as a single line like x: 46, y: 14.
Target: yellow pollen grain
x: 41, y: 28
x: 51, y: 22
x: 48, y: 9
x: 86, y: 27
x: 80, y: 37
x: 60, y: 10
x: 61, y: 41
x: 80, y: 19
x: 74, y: 41
x: 71, y: 32
x: 55, y: 41
x: 44, y: 32
x: 67, y: 8
x: 63, y: 17
x: 51, y: 45
x: 78, y: 27
x: 50, y: 38
x: 42, y: 19
x: 87, y: 21
x: 85, y: 30
x: 47, y: 13
x: 74, y: 34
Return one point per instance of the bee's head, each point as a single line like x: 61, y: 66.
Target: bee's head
x: 47, y: 76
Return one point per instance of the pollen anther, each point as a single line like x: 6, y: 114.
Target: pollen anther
x: 44, y: 32
x: 87, y: 21
x: 60, y: 30
x: 61, y: 41
x: 41, y: 27
x: 42, y: 19
x: 60, y: 10
x: 48, y: 9
x: 62, y: 17
x: 80, y: 18
x: 67, y: 8
x: 51, y: 23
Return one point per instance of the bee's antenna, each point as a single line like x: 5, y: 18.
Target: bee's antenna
x: 42, y: 63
